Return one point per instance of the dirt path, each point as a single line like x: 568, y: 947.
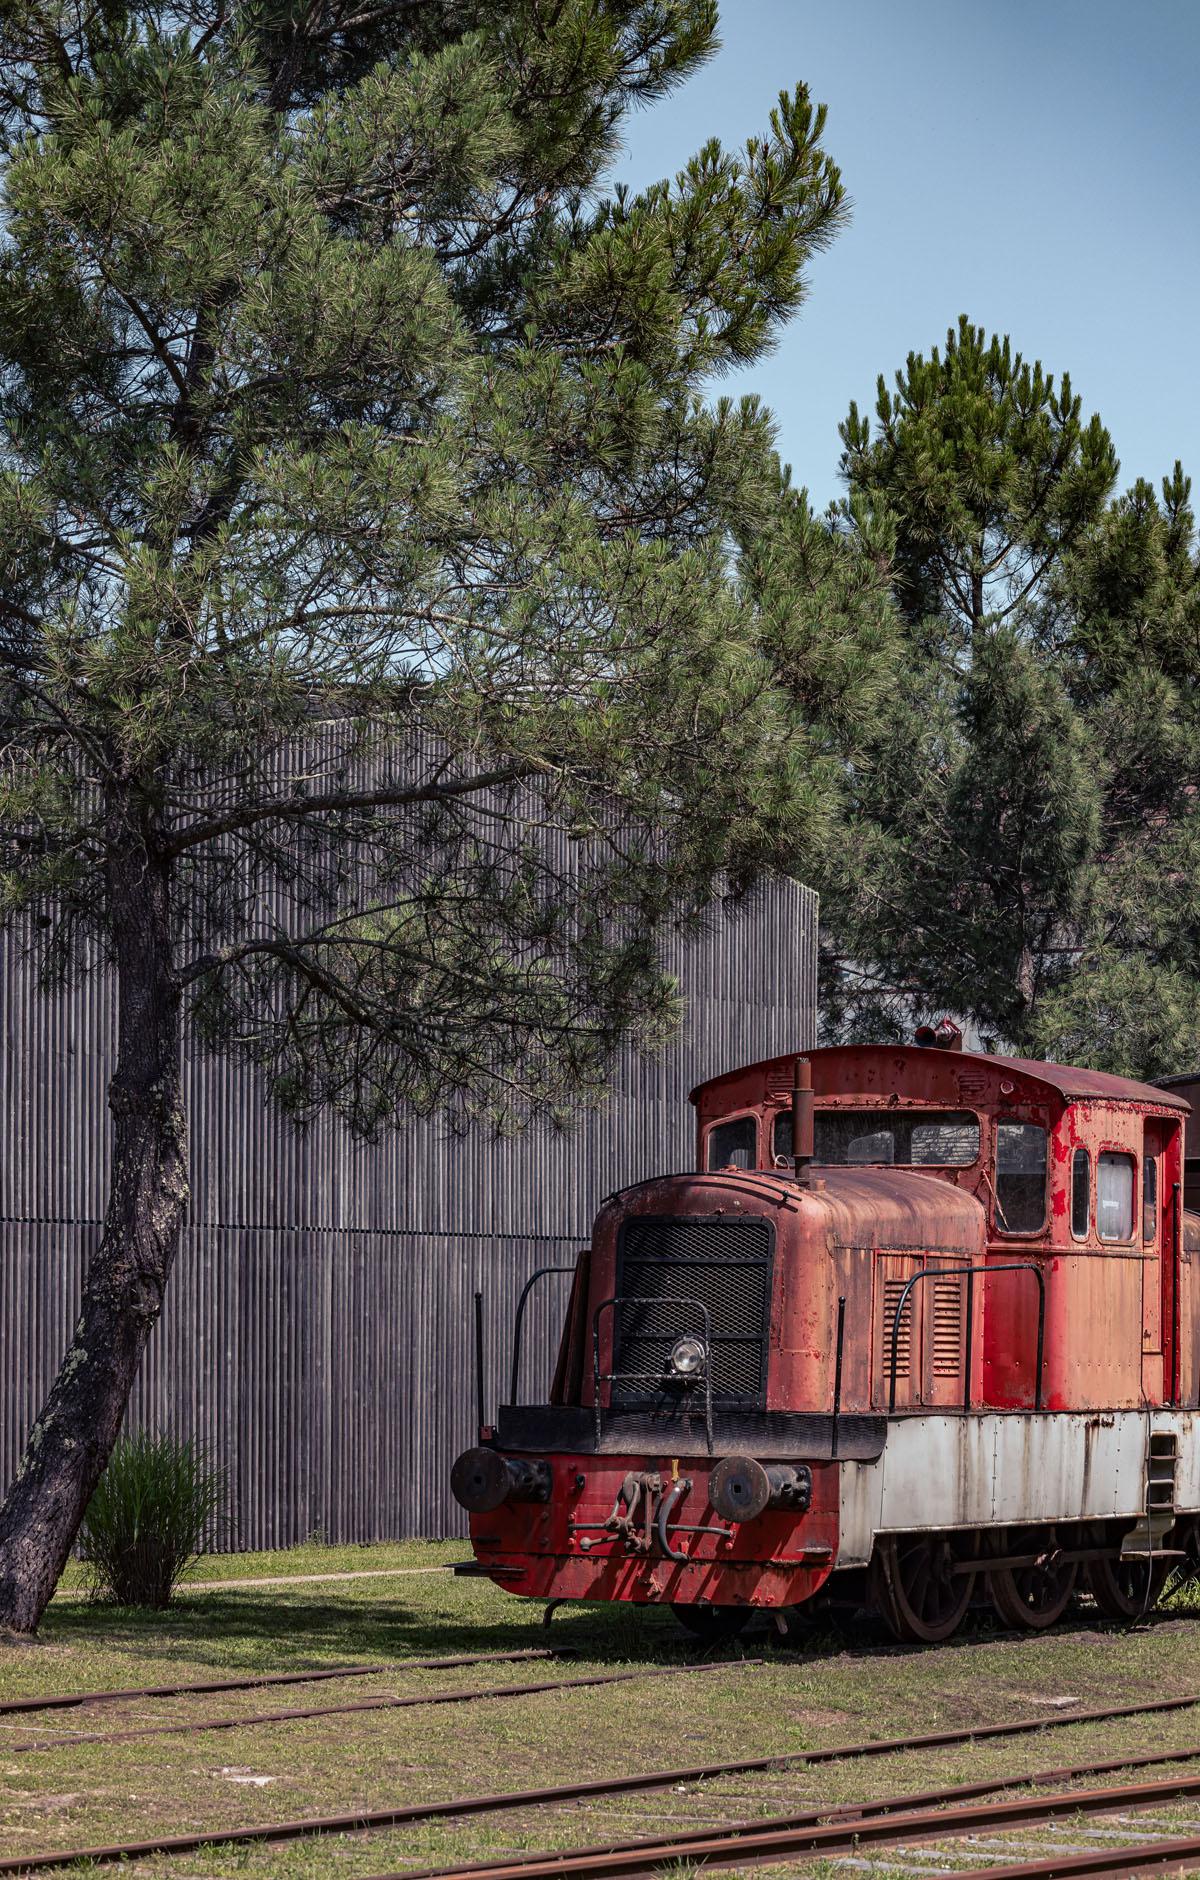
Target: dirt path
x: 280, y: 1579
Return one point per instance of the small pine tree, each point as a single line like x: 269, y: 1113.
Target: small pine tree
x: 989, y: 473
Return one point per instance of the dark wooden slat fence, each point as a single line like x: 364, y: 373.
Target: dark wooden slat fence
x: 318, y: 1330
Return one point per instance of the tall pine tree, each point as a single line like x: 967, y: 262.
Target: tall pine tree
x: 1123, y: 616
x: 376, y: 676
x: 979, y: 809
x: 1026, y: 850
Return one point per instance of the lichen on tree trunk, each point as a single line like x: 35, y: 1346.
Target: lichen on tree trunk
x: 73, y: 1437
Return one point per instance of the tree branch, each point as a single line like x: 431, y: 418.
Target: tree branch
x: 300, y: 808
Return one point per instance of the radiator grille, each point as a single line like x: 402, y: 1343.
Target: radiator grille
x: 726, y: 1265
x: 892, y: 1289
x: 947, y: 1327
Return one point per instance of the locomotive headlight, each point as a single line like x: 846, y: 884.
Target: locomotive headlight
x: 689, y: 1355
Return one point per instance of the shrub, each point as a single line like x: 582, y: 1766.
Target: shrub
x: 149, y: 1517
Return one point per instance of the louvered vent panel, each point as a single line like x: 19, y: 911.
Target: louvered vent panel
x: 726, y: 1266
x: 892, y: 1289
x: 947, y: 1327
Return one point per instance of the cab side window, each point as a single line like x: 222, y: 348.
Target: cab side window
x: 1081, y: 1193
x: 1149, y: 1197
x: 1020, y: 1178
x: 734, y: 1144
x: 1114, y: 1196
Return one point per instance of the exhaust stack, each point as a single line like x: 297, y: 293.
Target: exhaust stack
x: 802, y: 1118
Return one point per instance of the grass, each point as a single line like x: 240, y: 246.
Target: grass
x: 838, y: 1688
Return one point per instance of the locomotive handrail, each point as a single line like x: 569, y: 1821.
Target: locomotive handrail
x: 519, y: 1321
x: 614, y: 1377
x: 1176, y: 1263
x: 837, y: 1376
x: 933, y: 1272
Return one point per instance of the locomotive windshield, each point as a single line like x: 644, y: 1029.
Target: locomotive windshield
x: 901, y: 1138
x: 1020, y: 1177
x: 734, y: 1144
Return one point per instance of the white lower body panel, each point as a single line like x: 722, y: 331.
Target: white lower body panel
x: 1000, y: 1468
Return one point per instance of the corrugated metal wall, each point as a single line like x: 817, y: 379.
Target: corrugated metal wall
x: 318, y: 1328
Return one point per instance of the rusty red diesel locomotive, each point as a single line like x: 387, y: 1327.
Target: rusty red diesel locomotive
x: 922, y: 1328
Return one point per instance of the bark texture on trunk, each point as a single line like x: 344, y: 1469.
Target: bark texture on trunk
x: 72, y: 1439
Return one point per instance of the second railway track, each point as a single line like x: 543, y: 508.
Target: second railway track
x: 76, y: 1700
x: 193, y: 1726
x: 772, y: 1838
x: 830, y: 1832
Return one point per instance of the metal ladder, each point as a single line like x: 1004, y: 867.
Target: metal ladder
x: 1150, y: 1531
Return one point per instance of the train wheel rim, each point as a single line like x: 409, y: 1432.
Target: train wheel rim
x: 1126, y: 1589
x: 1032, y: 1598
x: 923, y: 1596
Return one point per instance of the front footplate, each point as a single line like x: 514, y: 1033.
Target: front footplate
x: 651, y: 1528
x: 640, y: 1517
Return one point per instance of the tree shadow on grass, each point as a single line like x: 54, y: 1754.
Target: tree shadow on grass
x: 271, y: 1630
x: 264, y: 1632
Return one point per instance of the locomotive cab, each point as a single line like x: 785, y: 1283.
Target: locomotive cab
x: 953, y: 1346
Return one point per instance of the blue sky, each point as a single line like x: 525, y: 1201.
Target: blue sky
x: 1036, y: 166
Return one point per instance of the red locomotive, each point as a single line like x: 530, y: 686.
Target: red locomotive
x: 923, y: 1327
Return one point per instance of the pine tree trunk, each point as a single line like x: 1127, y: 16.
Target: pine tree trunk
x: 1026, y: 979
x: 73, y: 1437
x: 977, y: 599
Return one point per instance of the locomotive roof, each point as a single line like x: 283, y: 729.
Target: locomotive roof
x: 1072, y: 1081
x: 1067, y: 1079
x: 886, y: 1207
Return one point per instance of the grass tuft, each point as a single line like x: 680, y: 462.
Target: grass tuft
x: 147, y: 1521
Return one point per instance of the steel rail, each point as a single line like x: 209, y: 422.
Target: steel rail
x: 69, y: 1700
x: 785, y: 1837
x: 1110, y: 1863
x: 194, y: 1725
x: 466, y: 1805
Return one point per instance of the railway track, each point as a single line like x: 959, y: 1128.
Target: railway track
x: 850, y: 1818
x: 192, y: 1726
x: 1164, y: 1856
x: 826, y: 1834
x: 71, y: 1700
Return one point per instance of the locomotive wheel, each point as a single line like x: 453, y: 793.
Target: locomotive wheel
x: 1126, y: 1589
x: 1031, y: 1598
x: 922, y: 1598
x: 713, y: 1625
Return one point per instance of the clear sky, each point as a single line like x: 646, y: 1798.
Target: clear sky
x: 1032, y: 163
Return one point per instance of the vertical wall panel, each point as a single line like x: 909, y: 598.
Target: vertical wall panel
x: 318, y: 1330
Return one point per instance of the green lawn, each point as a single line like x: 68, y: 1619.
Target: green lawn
x: 837, y: 1688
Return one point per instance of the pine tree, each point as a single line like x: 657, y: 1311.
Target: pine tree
x: 978, y: 819
x: 1125, y: 612
x: 989, y: 472
x: 376, y: 672
x: 1026, y: 848
x: 979, y: 809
